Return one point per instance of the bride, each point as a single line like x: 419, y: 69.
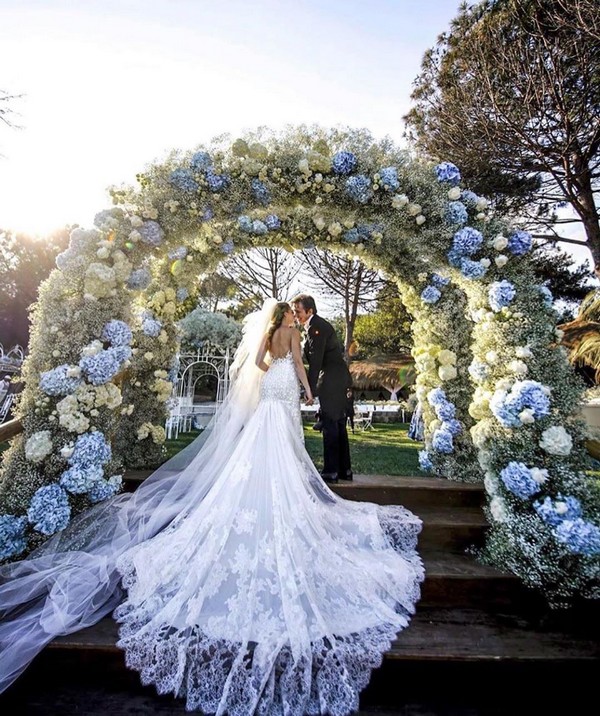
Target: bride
x: 240, y: 581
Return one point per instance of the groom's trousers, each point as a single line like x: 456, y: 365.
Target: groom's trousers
x: 336, y: 449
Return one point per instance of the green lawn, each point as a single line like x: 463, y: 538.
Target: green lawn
x: 385, y: 450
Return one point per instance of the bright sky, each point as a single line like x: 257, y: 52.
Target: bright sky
x: 110, y: 85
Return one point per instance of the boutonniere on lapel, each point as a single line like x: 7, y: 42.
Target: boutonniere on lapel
x: 316, y: 333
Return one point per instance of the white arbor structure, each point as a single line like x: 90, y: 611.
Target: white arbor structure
x: 207, y: 361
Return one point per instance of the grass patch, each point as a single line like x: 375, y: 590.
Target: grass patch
x: 385, y: 450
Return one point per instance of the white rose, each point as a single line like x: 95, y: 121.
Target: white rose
x: 556, y: 441
x: 74, y: 371
x: 91, y: 349
x: 561, y: 507
x: 319, y: 222
x: 526, y: 416
x: 504, y: 384
x: 304, y: 168
x: 447, y: 372
x: 55, y: 353
x: 501, y: 260
x: 422, y: 277
x: 480, y: 216
x: 420, y: 220
x: 103, y: 253
x: 399, y: 201
x: 335, y: 228
x: 414, y: 209
x: 518, y: 367
x: 149, y: 355
x: 486, y: 263
x: 481, y: 203
x: 454, y: 193
x: 523, y: 352
x: 136, y: 221
x: 135, y: 236
x: 500, y: 242
x: 559, y: 334
x: 491, y: 357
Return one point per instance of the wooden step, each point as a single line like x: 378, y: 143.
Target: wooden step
x: 412, y: 492
x: 435, y: 634
x: 451, y: 529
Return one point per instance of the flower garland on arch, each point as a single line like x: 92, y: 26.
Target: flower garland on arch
x: 104, y: 336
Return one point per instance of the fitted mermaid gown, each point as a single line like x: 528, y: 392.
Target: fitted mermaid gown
x: 266, y: 593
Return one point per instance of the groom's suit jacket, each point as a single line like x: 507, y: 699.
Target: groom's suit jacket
x: 328, y: 374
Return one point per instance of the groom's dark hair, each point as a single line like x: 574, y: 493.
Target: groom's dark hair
x: 308, y: 302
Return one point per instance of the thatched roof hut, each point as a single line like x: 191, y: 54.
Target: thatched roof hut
x: 391, y: 371
x: 582, y: 336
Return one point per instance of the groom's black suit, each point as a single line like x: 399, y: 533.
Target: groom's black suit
x: 329, y: 379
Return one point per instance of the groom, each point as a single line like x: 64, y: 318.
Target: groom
x: 329, y: 379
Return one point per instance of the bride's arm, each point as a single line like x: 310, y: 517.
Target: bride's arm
x: 260, y: 356
x: 299, y: 365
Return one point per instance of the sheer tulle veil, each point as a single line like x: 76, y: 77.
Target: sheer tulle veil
x: 72, y: 581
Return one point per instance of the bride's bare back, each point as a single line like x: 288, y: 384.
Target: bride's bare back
x: 281, y: 342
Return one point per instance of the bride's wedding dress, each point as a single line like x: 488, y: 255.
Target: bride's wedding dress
x: 250, y: 589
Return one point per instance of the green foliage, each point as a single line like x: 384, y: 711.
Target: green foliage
x: 204, y: 328
x: 25, y: 261
x: 388, y: 328
x: 510, y: 93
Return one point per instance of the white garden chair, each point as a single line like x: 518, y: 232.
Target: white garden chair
x: 364, y: 421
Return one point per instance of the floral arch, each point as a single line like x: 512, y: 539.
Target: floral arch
x: 500, y: 400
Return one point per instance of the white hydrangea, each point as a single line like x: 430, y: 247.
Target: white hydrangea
x: 501, y: 260
x: 539, y: 475
x: 446, y: 357
x: 500, y: 242
x: 401, y: 200
x: 38, y: 446
x: 556, y: 441
x: 490, y: 482
x: 414, y: 209
x: 420, y: 220
x: 498, y: 509
x: 447, y: 372
x: 518, y: 367
x: 99, y: 282
x: 523, y: 352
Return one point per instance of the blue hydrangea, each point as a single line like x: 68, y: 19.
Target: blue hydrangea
x: 90, y: 449
x: 455, y: 258
x: 151, y: 233
x: 103, y: 366
x: 359, y: 189
x: 425, y: 461
x: 389, y: 178
x: 207, y: 214
x: 452, y: 426
x: 430, y: 294
x: 259, y: 228
x: 272, y: 222
x: 456, y: 213
x: 344, y: 163
x: 579, y: 536
x: 151, y: 327
x: 117, y: 333
x: 139, y: 279
x: 245, y: 224
x: 442, y: 442
x: 104, y: 489
x: 49, y: 510
x: 479, y: 371
x: 467, y: 241
x: 517, y: 478
x: 217, y: 182
x: 500, y: 295
x: 469, y: 197
x: 78, y: 480
x: 184, y: 180
x: 351, y: 236
x: 445, y: 410
x: 439, y: 281
x: 12, y: 536
x: 519, y: 243
x: 547, y: 509
x: 448, y: 172
x: 260, y: 192
x: 472, y: 269
x: 179, y: 253
x: 529, y: 394
x: 201, y: 162
x: 436, y: 396
x: 55, y: 381
x: 182, y: 294
x: 227, y: 247
x: 547, y: 296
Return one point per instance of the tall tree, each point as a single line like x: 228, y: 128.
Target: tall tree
x: 386, y: 329
x: 261, y: 273
x: 346, y: 280
x: 25, y: 262
x: 511, y: 94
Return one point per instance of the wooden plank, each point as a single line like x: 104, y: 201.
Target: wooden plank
x: 9, y: 429
x: 452, y: 635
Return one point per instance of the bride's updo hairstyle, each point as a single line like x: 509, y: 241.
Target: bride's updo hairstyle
x: 279, y: 312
